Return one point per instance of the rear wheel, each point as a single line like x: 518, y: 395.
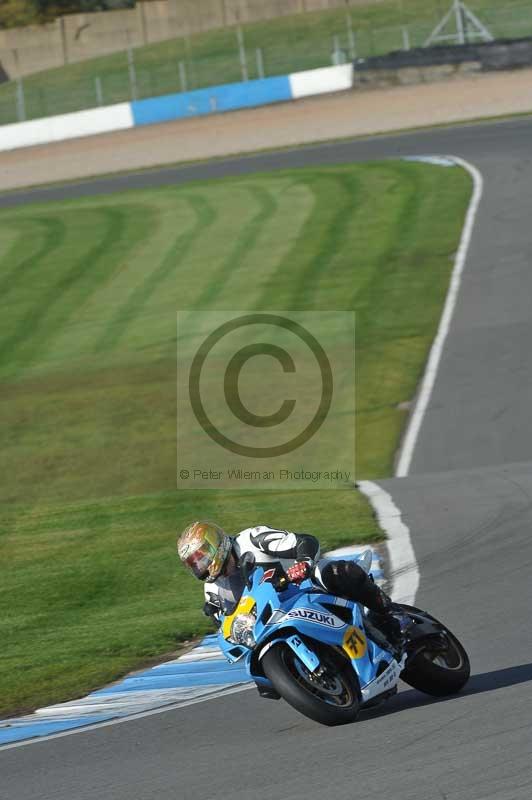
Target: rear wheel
x: 329, y: 696
x: 439, y: 667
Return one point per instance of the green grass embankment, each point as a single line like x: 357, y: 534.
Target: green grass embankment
x: 288, y: 44
x: 89, y: 586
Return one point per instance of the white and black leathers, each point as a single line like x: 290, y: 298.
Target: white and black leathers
x: 270, y: 547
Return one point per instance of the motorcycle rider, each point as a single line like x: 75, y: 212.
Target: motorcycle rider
x: 215, y: 558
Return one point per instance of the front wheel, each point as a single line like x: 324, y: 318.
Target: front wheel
x: 329, y: 696
x: 436, y: 668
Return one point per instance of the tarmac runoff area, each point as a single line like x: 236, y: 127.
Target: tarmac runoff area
x: 467, y: 504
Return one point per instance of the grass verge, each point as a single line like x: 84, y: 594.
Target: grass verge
x: 89, y: 586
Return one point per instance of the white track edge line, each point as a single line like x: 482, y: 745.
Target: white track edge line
x: 404, y: 570
x: 429, y: 377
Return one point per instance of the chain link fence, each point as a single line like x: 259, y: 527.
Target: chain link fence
x: 235, y: 54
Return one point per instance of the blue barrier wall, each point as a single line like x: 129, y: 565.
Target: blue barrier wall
x: 213, y: 99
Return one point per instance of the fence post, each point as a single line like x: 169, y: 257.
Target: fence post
x: 337, y: 55
x: 371, y: 41
x: 64, y: 43
x: 260, y: 62
x: 183, y: 76
x: 132, y: 73
x: 21, y: 103
x: 406, y: 38
x: 351, y: 37
x: 99, y: 92
x: 242, y: 52
x: 143, y: 28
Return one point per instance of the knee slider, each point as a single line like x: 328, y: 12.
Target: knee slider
x: 342, y: 576
x: 326, y: 573
x: 354, y: 574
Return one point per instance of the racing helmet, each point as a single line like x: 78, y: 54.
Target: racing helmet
x: 204, y: 548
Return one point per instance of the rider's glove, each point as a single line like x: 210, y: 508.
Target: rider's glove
x: 298, y: 572
x: 211, y: 610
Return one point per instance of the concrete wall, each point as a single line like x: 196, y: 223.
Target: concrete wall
x: 78, y: 37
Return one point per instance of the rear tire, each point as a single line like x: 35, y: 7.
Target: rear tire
x: 332, y: 699
x: 435, y: 672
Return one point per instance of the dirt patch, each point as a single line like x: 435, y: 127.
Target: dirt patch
x: 348, y: 114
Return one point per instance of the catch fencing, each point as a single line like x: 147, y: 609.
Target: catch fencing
x: 229, y: 55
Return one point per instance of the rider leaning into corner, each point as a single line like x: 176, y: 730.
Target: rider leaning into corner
x: 215, y: 558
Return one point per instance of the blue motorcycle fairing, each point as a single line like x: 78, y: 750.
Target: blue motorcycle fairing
x: 304, y: 613
x: 307, y: 656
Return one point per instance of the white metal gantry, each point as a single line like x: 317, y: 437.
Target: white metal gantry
x: 459, y: 25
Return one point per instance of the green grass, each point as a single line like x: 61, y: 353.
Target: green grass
x: 89, y: 585
x: 288, y: 44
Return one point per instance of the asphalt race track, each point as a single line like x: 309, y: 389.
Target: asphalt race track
x: 468, y: 504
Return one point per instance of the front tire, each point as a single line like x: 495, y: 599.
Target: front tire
x: 331, y: 699
x: 435, y: 671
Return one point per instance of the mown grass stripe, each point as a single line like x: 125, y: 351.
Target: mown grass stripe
x: 51, y: 311
x: 404, y: 250
x: 176, y: 254
x: 242, y: 247
x: 334, y: 224
x: 51, y: 238
x: 157, y: 226
x: 312, y: 249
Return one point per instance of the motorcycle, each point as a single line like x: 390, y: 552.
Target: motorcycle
x: 323, y: 655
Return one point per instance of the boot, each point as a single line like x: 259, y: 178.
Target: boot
x: 381, y: 617
x: 347, y: 579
